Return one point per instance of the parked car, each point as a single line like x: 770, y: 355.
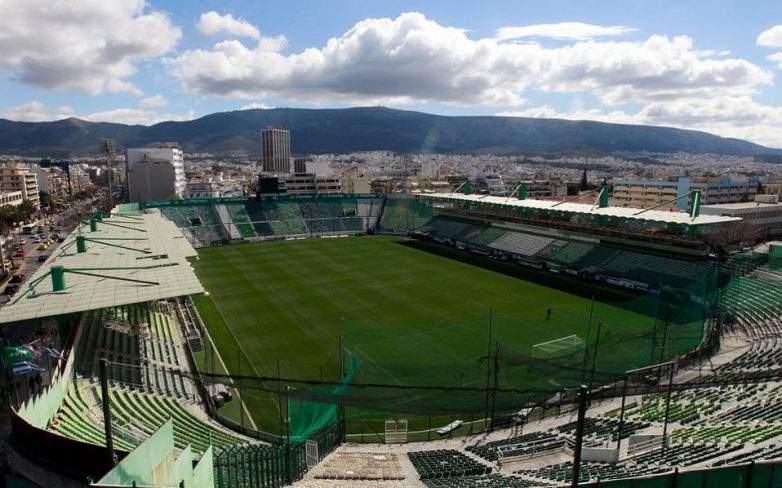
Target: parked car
x: 42, y: 258
x: 17, y: 278
x: 10, y: 290
x: 23, y: 241
x: 19, y: 253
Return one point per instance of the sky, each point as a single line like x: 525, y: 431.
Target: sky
x: 705, y: 65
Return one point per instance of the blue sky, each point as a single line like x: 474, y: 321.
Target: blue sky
x: 702, y: 65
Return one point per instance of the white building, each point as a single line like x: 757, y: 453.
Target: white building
x: 155, y: 173
x: 11, y: 198
x: 15, y: 178
x: 203, y: 189
x: 765, y: 213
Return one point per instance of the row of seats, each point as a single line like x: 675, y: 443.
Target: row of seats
x: 119, y: 347
x: 241, y: 219
x: 445, y: 463
x: 563, y: 472
x: 765, y: 453
x: 452, y: 229
x: 403, y: 214
x: 486, y: 481
x: 290, y: 218
x: 571, y: 253
x: 77, y: 420
x: 140, y: 345
x: 488, y: 236
x: 685, y: 407
x: 522, y: 244
x: 200, y: 221
x: 604, y: 428
x: 149, y: 412
x: 763, y: 352
x: 741, y: 432
x: 655, y: 462
x: 517, y: 446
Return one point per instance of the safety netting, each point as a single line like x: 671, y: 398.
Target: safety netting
x: 491, y: 361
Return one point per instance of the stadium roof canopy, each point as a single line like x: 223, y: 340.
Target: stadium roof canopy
x: 638, y: 214
x: 128, y: 259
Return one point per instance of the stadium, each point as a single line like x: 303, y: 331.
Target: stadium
x: 440, y: 340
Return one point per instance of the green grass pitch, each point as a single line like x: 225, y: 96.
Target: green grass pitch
x: 280, y: 302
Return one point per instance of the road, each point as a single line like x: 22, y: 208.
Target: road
x: 28, y: 265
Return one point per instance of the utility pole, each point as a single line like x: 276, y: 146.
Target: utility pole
x: 109, y: 148
x: 104, y: 388
x: 583, y: 393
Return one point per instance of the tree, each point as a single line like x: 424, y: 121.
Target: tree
x: 46, y: 199
x: 583, y: 185
x: 26, y: 209
x: 732, y: 236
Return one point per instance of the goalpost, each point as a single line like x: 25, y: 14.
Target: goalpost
x: 558, y: 348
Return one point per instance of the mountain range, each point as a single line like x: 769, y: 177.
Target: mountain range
x: 318, y: 131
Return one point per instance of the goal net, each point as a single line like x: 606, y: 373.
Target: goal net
x: 558, y: 348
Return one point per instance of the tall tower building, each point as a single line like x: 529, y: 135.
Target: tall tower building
x: 276, y: 151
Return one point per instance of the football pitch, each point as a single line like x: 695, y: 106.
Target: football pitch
x: 277, y: 306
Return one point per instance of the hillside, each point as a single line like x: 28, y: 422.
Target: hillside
x: 365, y: 129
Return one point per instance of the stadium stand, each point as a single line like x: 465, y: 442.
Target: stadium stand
x: 571, y: 253
x: 241, y: 219
x: 360, y: 466
x: 487, y: 481
x: 488, y: 236
x: 601, y: 428
x: 228, y: 225
x: 655, y: 462
x: 143, y: 345
x: 201, y: 222
x: 404, y: 214
x: 445, y: 463
x: 526, y: 444
x: 765, y: 453
x: 522, y: 244
x: 452, y: 229
x: 150, y: 411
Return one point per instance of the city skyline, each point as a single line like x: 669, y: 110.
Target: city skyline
x: 695, y: 65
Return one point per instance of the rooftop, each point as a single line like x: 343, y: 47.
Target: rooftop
x: 739, y: 206
x: 662, y: 216
x: 128, y: 259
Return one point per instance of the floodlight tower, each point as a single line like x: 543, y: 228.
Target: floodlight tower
x: 109, y: 148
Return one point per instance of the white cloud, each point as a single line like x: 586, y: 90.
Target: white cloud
x: 654, y: 70
x: 727, y: 116
x: 549, y: 112
x: 89, y: 45
x: 770, y: 37
x: 36, y: 112
x: 253, y: 105
x: 154, y: 101
x: 134, y: 116
x: 577, y: 31
x: 414, y: 59
x: 776, y: 57
x: 212, y: 23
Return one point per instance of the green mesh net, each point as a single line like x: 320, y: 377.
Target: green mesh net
x: 472, y: 366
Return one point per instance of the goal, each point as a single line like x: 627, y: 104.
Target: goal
x: 562, y: 347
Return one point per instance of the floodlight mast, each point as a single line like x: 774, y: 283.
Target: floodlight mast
x: 109, y: 148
